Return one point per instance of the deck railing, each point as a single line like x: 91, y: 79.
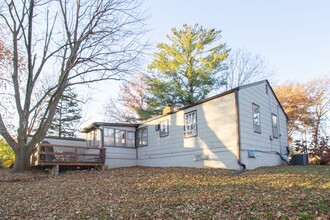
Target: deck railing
x: 59, y: 154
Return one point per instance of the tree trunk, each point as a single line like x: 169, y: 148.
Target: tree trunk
x: 316, y: 132
x: 22, y: 159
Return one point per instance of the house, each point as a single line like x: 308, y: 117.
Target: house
x: 242, y: 127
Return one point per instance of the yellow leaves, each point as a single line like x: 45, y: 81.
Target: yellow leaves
x: 7, y: 156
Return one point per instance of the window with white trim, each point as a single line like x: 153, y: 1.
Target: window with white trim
x: 275, y: 125
x: 256, y: 118
x: 190, y: 124
x: 142, y: 137
x: 163, y: 128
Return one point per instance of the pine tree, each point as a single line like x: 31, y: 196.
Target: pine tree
x: 67, y: 115
x: 186, y: 70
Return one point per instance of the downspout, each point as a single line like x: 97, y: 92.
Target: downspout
x: 238, y: 131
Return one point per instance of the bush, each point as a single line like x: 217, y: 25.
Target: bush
x: 7, y: 156
x: 319, y: 153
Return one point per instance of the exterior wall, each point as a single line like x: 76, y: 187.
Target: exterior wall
x: 214, y: 146
x: 120, y: 156
x: 263, y: 144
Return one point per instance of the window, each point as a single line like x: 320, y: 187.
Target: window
x: 93, y: 138
x: 190, y: 124
x: 256, y: 118
x: 275, y: 125
x: 120, y: 140
x: 142, y: 136
x: 164, y: 128
x: 130, y: 139
x: 88, y: 139
x: 109, y: 137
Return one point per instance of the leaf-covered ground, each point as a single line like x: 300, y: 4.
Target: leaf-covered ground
x: 284, y: 192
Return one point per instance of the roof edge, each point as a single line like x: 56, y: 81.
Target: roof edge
x: 96, y: 125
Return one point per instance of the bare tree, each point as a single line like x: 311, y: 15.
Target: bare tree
x: 130, y: 106
x: 319, y: 91
x: 244, y: 67
x: 76, y: 42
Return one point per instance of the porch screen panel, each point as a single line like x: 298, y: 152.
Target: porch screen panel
x: 120, y: 138
x: 109, y: 137
x: 130, y: 139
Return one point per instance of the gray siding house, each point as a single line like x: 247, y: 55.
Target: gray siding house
x: 243, y: 127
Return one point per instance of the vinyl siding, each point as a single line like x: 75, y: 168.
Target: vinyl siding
x: 216, y: 138
x: 263, y: 143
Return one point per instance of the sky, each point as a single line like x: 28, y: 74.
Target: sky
x: 292, y: 36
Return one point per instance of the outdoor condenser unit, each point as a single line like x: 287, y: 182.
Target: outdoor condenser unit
x: 299, y: 159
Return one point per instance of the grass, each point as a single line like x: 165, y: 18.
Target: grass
x: 284, y: 192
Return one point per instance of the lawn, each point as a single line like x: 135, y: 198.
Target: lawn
x: 284, y: 192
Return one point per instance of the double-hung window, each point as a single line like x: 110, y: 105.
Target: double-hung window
x: 256, y: 118
x: 190, y: 124
x: 275, y: 125
x: 164, y: 128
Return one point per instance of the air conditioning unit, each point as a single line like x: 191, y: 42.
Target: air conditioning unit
x: 299, y: 159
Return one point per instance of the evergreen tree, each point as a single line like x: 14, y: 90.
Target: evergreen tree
x: 67, y: 115
x: 187, y: 69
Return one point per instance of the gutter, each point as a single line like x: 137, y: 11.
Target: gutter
x: 238, y: 130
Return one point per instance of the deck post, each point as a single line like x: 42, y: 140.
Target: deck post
x: 55, y: 170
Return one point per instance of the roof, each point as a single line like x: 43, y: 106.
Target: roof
x: 220, y: 95
x: 98, y: 124
x: 63, y: 138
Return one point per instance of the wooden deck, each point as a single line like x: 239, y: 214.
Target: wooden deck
x: 67, y: 155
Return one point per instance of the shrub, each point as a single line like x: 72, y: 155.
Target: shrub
x: 7, y: 156
x: 320, y: 152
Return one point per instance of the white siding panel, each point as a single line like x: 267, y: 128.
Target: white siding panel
x: 120, y: 157
x: 214, y: 146
x: 264, y: 143
x: 263, y: 159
